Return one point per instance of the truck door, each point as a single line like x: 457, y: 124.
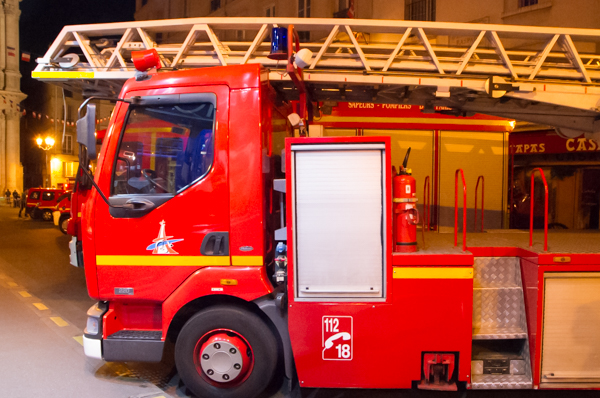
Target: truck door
x: 169, y: 197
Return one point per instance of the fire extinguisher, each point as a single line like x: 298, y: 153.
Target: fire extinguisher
x: 406, y: 216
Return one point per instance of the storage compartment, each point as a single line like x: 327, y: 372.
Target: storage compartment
x: 570, y: 339
x: 339, y: 216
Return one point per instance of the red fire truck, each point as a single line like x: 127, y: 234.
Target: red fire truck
x: 270, y: 258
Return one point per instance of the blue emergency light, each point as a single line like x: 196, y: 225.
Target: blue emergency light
x: 279, y: 44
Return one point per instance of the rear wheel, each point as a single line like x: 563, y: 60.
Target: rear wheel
x: 35, y: 214
x: 47, y: 215
x: 226, y: 352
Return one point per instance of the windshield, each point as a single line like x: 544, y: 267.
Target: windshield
x: 164, y: 149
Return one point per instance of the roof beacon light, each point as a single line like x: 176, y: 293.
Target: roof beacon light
x: 145, y: 60
x: 279, y: 44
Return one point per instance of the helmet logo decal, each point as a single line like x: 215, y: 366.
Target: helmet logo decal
x: 163, y: 244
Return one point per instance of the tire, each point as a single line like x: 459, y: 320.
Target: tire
x: 63, y: 222
x: 230, y: 327
x: 35, y: 214
x: 47, y: 215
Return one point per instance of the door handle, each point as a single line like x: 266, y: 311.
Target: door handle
x: 138, y: 204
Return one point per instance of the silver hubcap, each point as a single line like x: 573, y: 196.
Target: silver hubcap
x: 221, y: 361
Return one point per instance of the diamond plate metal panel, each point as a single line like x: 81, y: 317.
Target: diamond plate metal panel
x: 497, y: 382
x: 518, y: 367
x: 477, y: 367
x: 496, y: 272
x: 499, y: 309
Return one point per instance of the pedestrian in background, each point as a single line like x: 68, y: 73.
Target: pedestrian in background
x: 15, y: 195
x: 24, y: 204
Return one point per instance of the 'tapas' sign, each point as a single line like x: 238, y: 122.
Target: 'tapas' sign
x: 549, y: 142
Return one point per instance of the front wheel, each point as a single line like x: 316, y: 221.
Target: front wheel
x: 226, y: 352
x: 63, y: 223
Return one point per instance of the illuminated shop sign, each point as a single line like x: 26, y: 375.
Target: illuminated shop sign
x: 549, y: 142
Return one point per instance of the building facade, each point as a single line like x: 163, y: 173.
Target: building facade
x: 11, y: 170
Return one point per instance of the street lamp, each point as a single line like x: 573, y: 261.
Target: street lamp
x: 46, y: 144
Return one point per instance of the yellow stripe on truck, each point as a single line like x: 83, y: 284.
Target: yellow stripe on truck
x: 179, y: 261
x: 163, y: 261
x: 62, y: 75
x: 247, y: 261
x: 433, y: 273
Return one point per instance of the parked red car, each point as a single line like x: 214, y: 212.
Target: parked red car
x: 62, y: 212
x: 41, y: 202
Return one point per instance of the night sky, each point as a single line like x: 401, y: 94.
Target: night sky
x: 42, y: 20
x: 40, y: 23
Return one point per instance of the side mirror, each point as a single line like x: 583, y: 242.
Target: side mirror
x: 86, y: 131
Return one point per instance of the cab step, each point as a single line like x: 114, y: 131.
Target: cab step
x: 134, y: 346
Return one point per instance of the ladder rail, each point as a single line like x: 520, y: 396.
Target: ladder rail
x: 405, y: 62
x: 436, y: 46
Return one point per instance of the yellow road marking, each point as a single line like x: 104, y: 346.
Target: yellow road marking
x: 59, y: 321
x: 40, y: 306
x: 78, y: 339
x: 433, y: 273
x: 12, y: 284
x: 24, y: 293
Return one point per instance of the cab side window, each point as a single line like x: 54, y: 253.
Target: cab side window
x: 48, y: 196
x: 164, y: 149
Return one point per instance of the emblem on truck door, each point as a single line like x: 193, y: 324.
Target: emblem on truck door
x: 163, y: 244
x: 337, y: 338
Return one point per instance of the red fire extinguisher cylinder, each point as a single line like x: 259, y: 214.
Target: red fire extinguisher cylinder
x: 406, y: 216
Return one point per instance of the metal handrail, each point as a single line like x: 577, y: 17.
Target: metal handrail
x: 482, y: 201
x: 426, y: 202
x: 462, y: 173
x: 531, y: 200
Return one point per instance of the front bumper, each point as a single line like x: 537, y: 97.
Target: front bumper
x: 92, y: 334
x: 124, y: 345
x: 92, y: 348
x: 75, y: 252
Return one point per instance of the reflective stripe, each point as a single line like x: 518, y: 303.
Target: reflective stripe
x: 433, y: 273
x: 163, y: 260
x: 62, y: 75
x: 247, y: 261
x: 358, y: 119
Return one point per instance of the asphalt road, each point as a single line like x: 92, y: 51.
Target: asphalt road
x: 43, y: 305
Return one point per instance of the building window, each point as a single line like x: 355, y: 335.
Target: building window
x: 527, y: 3
x: 270, y: 12
x: 68, y: 145
x: 420, y: 10
x: 69, y: 169
x: 303, y: 8
x: 304, y: 12
x: 215, y: 5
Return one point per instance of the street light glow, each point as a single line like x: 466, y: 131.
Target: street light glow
x: 45, y: 143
